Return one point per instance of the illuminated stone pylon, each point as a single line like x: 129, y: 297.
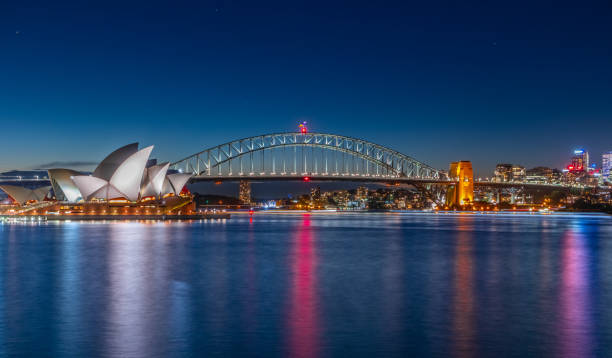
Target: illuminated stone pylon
x: 462, y: 194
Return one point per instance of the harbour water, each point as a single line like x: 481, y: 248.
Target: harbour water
x: 310, y: 285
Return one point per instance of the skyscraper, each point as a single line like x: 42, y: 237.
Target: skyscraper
x: 606, y: 165
x: 580, y: 160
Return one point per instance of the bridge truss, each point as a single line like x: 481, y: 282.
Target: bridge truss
x: 310, y: 154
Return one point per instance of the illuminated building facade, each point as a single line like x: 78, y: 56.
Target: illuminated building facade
x: 539, y: 175
x: 518, y: 173
x: 503, y: 172
x: 606, y: 165
x: 245, y: 192
x: 580, y: 161
x: 509, y: 172
x: 315, y: 193
x: 361, y: 193
x: 125, y: 174
x: 125, y: 177
x: 462, y: 193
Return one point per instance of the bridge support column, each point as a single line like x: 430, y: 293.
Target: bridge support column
x: 462, y: 194
x: 432, y: 194
x: 512, y: 196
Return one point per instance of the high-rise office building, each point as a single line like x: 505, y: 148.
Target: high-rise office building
x: 580, y: 160
x: 606, y: 165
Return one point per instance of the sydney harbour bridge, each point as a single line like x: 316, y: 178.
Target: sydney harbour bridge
x: 295, y: 155
x: 307, y: 156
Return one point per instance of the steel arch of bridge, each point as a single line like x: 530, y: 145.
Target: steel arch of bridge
x: 375, y: 160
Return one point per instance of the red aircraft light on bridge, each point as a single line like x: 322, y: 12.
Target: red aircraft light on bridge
x: 306, y: 179
x: 303, y: 128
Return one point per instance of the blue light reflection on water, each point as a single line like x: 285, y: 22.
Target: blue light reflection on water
x: 310, y: 285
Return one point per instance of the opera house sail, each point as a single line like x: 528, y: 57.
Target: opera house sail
x: 118, y: 179
x: 174, y: 183
x: 109, y: 165
x: 154, y: 177
x: 23, y: 195
x: 63, y: 187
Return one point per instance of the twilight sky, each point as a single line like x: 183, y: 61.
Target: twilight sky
x: 441, y: 81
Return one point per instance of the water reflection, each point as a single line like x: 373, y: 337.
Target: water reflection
x: 309, y: 286
x: 179, y: 313
x: 575, y: 323
x: 69, y: 324
x: 217, y: 293
x: 393, y: 289
x: 128, y: 325
x: 3, y: 322
x: 250, y: 284
x: 179, y: 316
x: 463, y: 299
x: 303, y: 314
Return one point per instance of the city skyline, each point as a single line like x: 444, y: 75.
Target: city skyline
x: 525, y: 84
x: 88, y: 166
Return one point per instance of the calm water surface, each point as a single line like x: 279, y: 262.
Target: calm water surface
x: 310, y: 285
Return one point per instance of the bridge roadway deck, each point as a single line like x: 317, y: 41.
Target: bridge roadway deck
x: 315, y: 177
x: 374, y: 179
x: 353, y: 178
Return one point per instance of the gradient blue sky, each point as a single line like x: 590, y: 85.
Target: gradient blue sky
x: 441, y: 81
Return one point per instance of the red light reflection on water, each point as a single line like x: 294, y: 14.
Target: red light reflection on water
x: 251, y: 279
x: 463, y: 305
x: 575, y: 335
x: 303, y: 324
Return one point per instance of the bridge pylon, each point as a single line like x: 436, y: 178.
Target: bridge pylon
x: 462, y: 194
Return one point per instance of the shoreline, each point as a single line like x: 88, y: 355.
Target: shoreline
x: 115, y: 217
x: 418, y: 212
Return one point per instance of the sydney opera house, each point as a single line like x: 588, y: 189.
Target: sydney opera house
x: 126, y: 182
